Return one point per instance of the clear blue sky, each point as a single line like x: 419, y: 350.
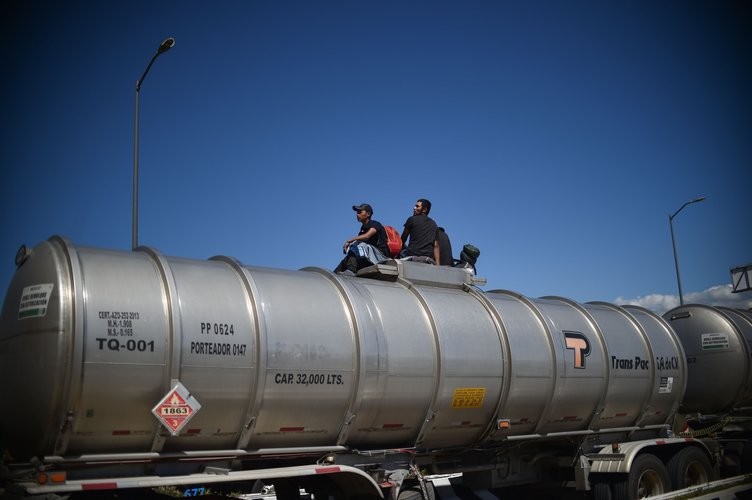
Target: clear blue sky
x: 555, y: 136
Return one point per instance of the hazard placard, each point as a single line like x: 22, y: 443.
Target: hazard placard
x: 176, y: 408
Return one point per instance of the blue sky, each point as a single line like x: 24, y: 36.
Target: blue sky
x: 555, y: 136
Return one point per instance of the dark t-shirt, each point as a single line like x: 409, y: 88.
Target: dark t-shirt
x: 379, y: 239
x: 445, y: 248
x: 422, y: 235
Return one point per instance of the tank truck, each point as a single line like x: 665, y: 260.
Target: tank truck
x: 123, y: 371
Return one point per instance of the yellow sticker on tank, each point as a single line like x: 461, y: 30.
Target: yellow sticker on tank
x: 468, y: 397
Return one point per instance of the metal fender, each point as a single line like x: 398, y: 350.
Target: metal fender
x: 608, y: 461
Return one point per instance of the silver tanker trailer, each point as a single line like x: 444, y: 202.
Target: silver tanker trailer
x: 128, y: 369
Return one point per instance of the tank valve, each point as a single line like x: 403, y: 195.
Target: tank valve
x: 21, y: 255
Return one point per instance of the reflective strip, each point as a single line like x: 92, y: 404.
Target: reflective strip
x: 99, y: 486
x: 327, y: 470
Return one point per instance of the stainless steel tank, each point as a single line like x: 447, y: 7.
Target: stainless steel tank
x: 718, y: 345
x: 586, y: 366
x: 93, y: 339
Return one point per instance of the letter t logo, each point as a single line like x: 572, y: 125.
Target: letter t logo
x: 580, y: 345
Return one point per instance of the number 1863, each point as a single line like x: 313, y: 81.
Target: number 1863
x: 174, y: 410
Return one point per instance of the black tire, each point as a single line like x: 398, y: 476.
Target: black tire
x: 647, y: 477
x: 602, y: 490
x: 746, y: 459
x: 690, y: 467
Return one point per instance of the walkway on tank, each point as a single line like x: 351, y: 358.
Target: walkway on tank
x: 417, y: 272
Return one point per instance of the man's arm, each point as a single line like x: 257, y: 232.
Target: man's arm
x: 360, y: 237
x: 436, y: 252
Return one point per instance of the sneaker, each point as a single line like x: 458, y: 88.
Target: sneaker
x: 346, y: 272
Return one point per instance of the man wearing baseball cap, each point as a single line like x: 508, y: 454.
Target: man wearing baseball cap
x: 368, y: 247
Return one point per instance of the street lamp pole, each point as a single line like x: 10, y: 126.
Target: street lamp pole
x: 164, y: 47
x: 673, y: 243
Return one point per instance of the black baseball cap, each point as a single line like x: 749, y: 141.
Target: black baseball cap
x: 363, y: 206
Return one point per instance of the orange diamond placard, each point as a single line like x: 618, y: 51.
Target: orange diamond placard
x: 176, y: 408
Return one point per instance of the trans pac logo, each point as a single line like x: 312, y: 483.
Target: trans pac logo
x: 578, y: 343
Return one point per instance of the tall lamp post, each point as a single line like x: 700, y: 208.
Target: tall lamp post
x: 673, y: 243
x: 164, y: 47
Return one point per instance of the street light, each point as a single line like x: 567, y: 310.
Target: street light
x: 673, y: 243
x: 164, y: 47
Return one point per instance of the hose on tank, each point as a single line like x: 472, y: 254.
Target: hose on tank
x: 707, y: 430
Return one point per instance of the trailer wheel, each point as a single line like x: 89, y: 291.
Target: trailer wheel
x: 648, y: 477
x: 602, y: 490
x: 690, y: 467
x: 746, y: 458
